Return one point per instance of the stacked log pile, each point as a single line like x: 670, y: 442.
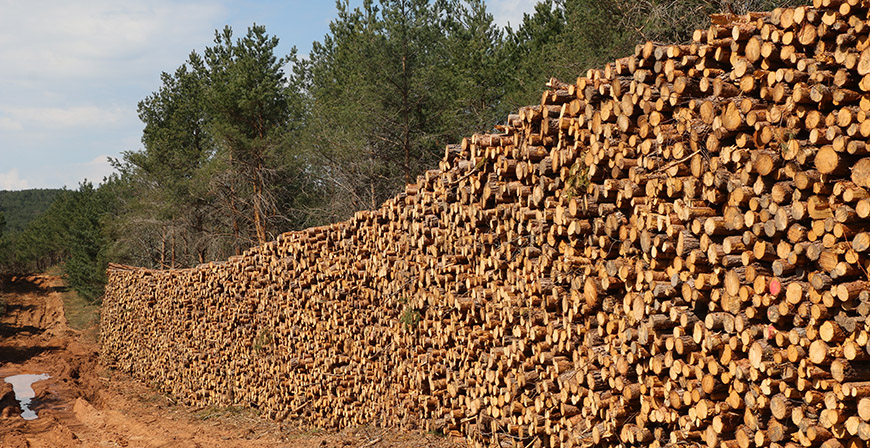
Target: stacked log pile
x: 673, y: 250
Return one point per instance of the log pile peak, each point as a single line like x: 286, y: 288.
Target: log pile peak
x: 670, y: 251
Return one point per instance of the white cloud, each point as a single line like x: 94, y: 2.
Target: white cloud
x: 71, y: 73
x: 70, y: 175
x: 11, y: 181
x: 42, y: 40
x: 511, y: 12
x: 94, y: 171
x: 9, y: 124
x: 59, y: 117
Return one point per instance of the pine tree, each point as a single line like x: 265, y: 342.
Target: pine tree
x: 250, y: 109
x: 167, y: 191
x: 390, y: 85
x: 221, y: 166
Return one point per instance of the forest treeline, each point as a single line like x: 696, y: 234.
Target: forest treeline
x: 21, y: 207
x: 241, y: 143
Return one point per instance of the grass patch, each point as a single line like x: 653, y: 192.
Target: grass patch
x: 437, y: 433
x: 4, y: 296
x: 81, y: 314
x: 212, y: 412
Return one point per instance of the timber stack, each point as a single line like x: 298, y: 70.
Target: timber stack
x: 672, y: 250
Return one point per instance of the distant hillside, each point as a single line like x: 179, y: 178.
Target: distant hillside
x: 21, y: 207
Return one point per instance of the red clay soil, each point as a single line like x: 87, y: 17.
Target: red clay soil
x: 85, y: 404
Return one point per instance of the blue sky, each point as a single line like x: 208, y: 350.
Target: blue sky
x: 72, y: 72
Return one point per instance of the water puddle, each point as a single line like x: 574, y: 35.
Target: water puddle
x: 21, y: 385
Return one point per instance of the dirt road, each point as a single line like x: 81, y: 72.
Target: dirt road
x: 85, y: 404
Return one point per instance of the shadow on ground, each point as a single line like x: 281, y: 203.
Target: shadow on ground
x: 24, y: 285
x: 18, y: 355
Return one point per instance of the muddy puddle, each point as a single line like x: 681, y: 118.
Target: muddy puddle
x: 22, y: 386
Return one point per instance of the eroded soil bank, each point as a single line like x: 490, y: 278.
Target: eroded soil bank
x: 85, y: 404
